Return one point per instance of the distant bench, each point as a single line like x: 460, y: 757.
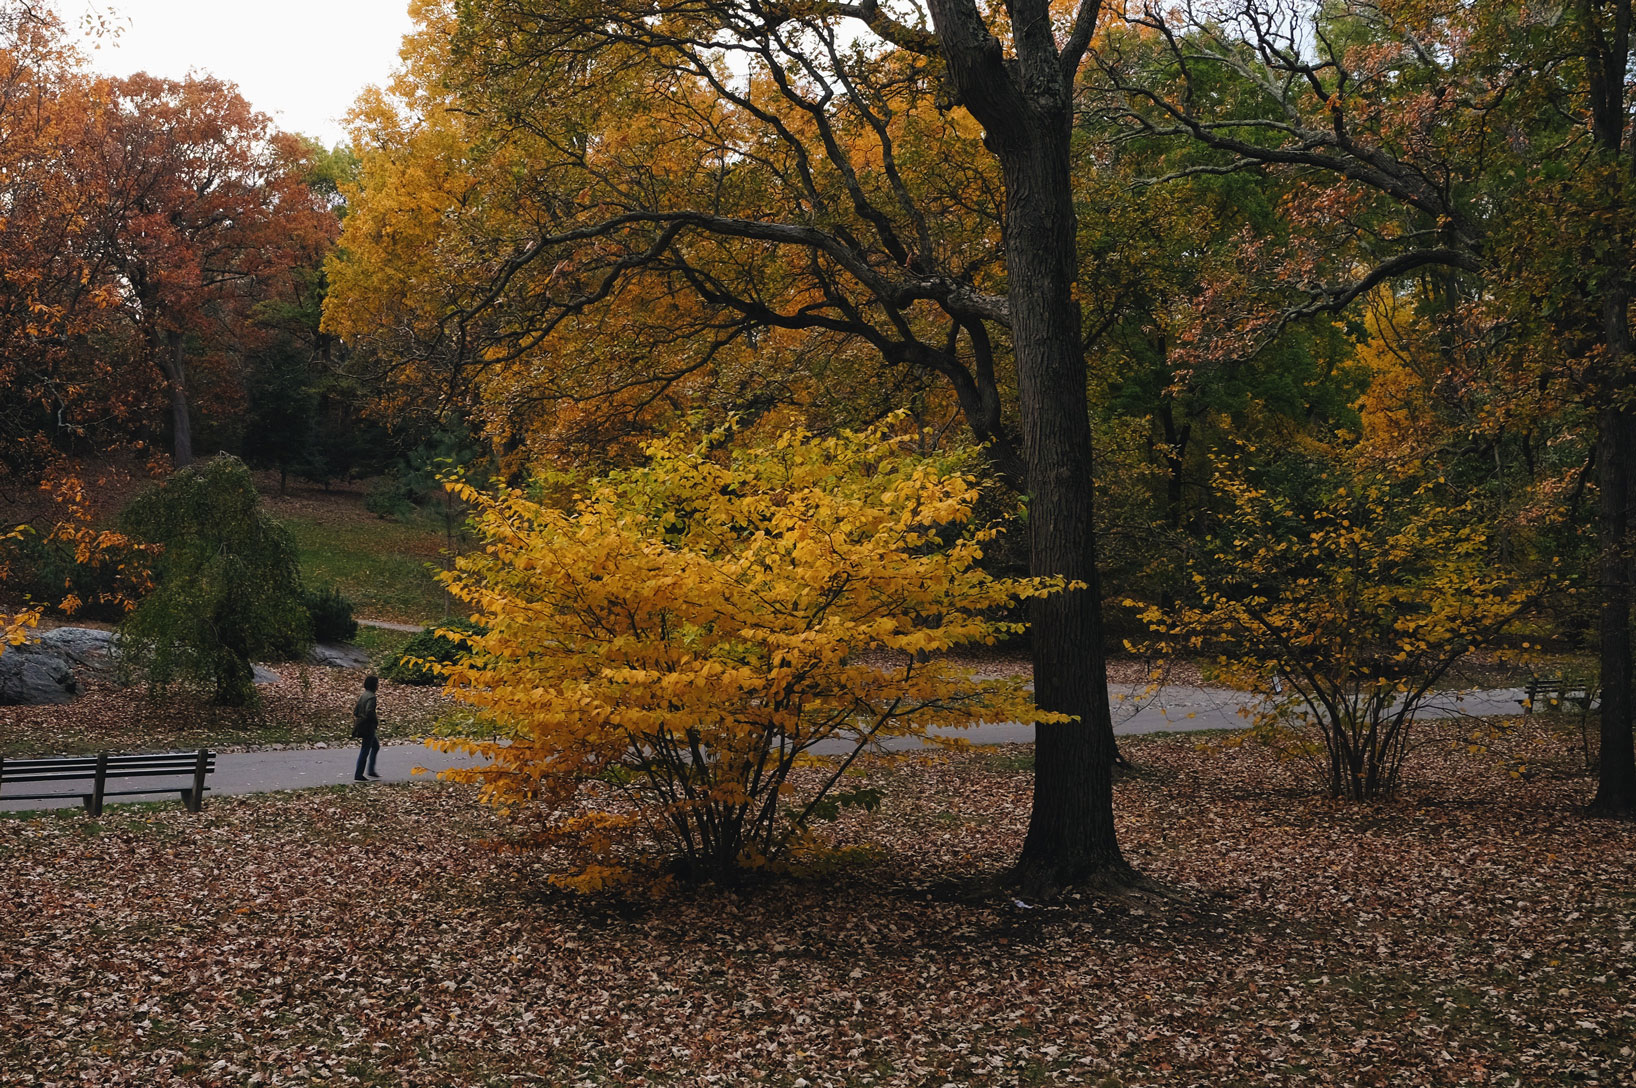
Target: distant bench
x: 1556, y: 692
x: 98, y: 769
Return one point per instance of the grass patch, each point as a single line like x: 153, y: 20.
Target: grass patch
x: 381, y: 644
x: 76, y: 821
x: 386, y: 568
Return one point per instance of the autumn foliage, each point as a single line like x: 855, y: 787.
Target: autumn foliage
x: 149, y: 230
x: 1342, y: 601
x: 658, y: 659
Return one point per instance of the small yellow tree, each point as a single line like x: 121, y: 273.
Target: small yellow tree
x: 657, y: 659
x: 1343, y: 608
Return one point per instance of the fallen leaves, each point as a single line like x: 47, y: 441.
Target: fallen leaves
x: 1478, y: 931
x: 307, y: 705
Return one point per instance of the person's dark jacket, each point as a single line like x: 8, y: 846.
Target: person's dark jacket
x: 364, y: 721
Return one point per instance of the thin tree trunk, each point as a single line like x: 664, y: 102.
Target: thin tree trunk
x: 173, y: 365
x: 1175, y: 459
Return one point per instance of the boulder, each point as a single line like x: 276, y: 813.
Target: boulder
x: 338, y: 655
x: 264, y: 675
x: 31, y: 675
x: 83, y: 646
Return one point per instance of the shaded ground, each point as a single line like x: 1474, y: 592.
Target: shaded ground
x: 1174, y: 709
x: 1477, y: 931
x: 385, y: 566
x: 311, y: 705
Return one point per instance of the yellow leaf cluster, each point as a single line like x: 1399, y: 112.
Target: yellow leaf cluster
x: 14, y: 628
x: 658, y: 657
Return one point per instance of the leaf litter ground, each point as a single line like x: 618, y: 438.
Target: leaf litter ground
x: 1476, y: 931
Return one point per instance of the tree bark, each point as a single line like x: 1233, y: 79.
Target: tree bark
x: 1024, y: 105
x: 1607, y: 68
x: 1071, y: 831
x: 1175, y: 459
x: 173, y: 365
x: 1616, y: 478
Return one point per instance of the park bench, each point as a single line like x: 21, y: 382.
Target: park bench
x: 98, y: 769
x: 1556, y: 692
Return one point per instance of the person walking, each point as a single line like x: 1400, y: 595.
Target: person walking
x: 365, y: 725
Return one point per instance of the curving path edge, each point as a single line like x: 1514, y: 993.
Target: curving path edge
x: 1171, y: 709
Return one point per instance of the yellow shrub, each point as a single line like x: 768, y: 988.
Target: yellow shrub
x: 659, y: 657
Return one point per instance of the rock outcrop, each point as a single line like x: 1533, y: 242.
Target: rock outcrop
x: 42, y: 671
x: 82, y: 646
x: 31, y: 675
x: 338, y: 655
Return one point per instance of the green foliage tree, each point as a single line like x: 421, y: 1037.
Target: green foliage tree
x: 445, y: 644
x: 1516, y: 247
x: 228, y: 586
x: 331, y: 614
x: 283, y: 417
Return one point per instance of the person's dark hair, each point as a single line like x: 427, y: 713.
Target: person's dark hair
x: 371, y: 682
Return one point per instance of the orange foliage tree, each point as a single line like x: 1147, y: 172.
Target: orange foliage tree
x: 51, y: 299
x: 144, y: 226
x: 657, y: 660
x: 207, y: 215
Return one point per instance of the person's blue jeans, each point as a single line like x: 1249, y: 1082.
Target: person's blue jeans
x: 367, y: 751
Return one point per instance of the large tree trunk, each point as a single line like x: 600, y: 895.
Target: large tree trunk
x: 1071, y: 831
x: 173, y: 364
x: 1025, y: 106
x: 1616, y: 479
x: 1607, y: 68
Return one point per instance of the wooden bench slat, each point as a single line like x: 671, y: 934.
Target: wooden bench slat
x: 110, y: 775
x: 90, y: 762
x: 47, y: 777
x: 114, y: 771
x: 25, y: 765
x: 107, y: 793
x: 188, y: 763
x: 184, y: 760
x: 120, y: 761
x: 148, y: 789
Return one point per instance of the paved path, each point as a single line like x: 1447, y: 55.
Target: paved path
x: 1174, y: 708
x: 390, y: 625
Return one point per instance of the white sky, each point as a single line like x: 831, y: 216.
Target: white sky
x: 301, y: 61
